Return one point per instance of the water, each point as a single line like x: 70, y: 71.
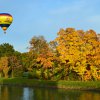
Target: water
x: 33, y: 93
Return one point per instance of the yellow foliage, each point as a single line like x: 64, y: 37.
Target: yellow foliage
x: 80, y: 49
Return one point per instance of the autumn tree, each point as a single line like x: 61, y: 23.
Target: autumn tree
x: 16, y: 66
x: 4, y: 65
x: 79, y: 51
x: 9, y: 60
x: 92, y: 54
x: 42, y: 57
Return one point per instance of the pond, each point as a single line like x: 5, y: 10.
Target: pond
x: 34, y: 93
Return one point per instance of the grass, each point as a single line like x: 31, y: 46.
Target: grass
x: 89, y: 85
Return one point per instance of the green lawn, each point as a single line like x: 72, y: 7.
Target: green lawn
x: 52, y: 84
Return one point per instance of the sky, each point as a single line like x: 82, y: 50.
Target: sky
x: 46, y: 18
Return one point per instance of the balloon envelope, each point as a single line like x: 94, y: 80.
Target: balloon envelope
x: 5, y: 20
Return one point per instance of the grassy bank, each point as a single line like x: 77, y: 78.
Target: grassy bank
x: 53, y: 84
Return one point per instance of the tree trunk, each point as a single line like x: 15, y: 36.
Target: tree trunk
x: 6, y: 75
x: 5, y: 71
x: 0, y: 74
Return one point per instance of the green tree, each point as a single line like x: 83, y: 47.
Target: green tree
x: 6, y: 50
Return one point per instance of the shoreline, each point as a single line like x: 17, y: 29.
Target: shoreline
x: 62, y: 84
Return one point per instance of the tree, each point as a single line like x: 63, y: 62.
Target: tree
x: 81, y: 51
x: 37, y: 44
x: 41, y: 56
x: 16, y: 66
x: 4, y: 65
x: 6, y: 50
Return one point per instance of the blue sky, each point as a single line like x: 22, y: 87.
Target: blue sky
x: 47, y: 17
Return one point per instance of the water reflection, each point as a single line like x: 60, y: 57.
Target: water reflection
x: 31, y: 93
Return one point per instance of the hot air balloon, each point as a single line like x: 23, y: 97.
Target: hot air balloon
x: 5, y: 21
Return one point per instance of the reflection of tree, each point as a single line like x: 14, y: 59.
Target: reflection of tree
x: 30, y: 93
x: 89, y: 96
x: 11, y: 93
x: 4, y: 93
x: 44, y: 94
